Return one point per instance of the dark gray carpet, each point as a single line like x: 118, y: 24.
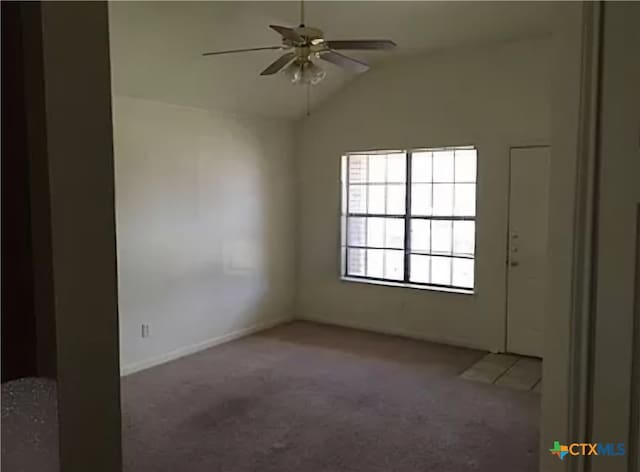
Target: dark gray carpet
x: 304, y: 398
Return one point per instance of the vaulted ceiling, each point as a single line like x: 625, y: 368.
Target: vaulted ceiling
x: 156, y: 46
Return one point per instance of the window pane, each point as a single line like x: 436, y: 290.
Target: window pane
x: 357, y: 198
x: 355, y: 262
x: 375, y: 263
x: 443, y: 166
x: 394, y: 265
x: 465, y: 165
x: 464, y: 237
x: 442, y: 199
x: 441, y: 237
x: 463, y: 272
x: 375, y: 232
x: 419, y: 269
x: 421, y: 199
x: 395, y: 199
x: 441, y: 270
x: 376, y: 199
x: 356, y: 231
x: 377, y: 168
x: 357, y: 168
x: 421, y: 167
x: 396, y: 168
x: 421, y: 235
x: 394, y: 234
x: 465, y: 200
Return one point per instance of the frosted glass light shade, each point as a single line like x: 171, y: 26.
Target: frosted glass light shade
x: 306, y: 73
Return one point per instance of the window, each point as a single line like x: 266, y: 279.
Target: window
x: 408, y: 217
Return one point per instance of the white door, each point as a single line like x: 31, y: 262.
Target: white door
x: 527, y: 251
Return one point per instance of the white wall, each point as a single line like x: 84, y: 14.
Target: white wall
x: 205, y: 228
x: 494, y: 98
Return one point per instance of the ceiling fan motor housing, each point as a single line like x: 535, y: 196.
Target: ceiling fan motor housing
x: 310, y: 42
x: 309, y: 33
x: 306, y: 42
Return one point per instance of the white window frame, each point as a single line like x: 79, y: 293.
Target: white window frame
x: 407, y: 217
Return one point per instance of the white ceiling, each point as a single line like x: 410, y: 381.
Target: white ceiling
x: 156, y: 46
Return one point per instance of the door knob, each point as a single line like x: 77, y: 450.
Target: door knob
x: 514, y: 263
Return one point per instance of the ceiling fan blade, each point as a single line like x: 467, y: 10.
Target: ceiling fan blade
x: 362, y: 44
x: 286, y: 32
x: 341, y: 60
x: 279, y: 63
x: 232, y: 51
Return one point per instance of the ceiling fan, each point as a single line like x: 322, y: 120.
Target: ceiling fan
x: 305, y: 44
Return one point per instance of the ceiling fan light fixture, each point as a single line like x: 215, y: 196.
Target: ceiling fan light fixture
x: 292, y: 72
x: 312, y: 73
x: 305, y: 73
x: 303, y: 44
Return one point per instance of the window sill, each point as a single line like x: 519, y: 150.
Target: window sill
x: 431, y: 288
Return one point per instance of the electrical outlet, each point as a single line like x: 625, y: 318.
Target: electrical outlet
x: 145, y: 331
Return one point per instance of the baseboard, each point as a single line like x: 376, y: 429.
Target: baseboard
x: 201, y: 346
x: 394, y: 332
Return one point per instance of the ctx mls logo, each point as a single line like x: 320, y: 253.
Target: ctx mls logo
x: 587, y: 449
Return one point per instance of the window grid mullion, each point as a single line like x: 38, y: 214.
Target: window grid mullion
x: 416, y: 217
x: 417, y: 253
x: 384, y: 220
x: 453, y: 210
x: 346, y: 226
x: 407, y: 216
x: 366, y: 221
x: 431, y: 225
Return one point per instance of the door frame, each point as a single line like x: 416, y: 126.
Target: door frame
x: 567, y: 374
x: 578, y: 137
x: 536, y: 145
x: 583, y: 306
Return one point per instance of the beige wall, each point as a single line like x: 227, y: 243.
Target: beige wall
x: 205, y: 228
x: 564, y: 385
x: 79, y: 147
x: 616, y: 376
x: 493, y: 98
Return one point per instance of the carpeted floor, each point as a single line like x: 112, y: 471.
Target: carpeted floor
x: 307, y: 398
